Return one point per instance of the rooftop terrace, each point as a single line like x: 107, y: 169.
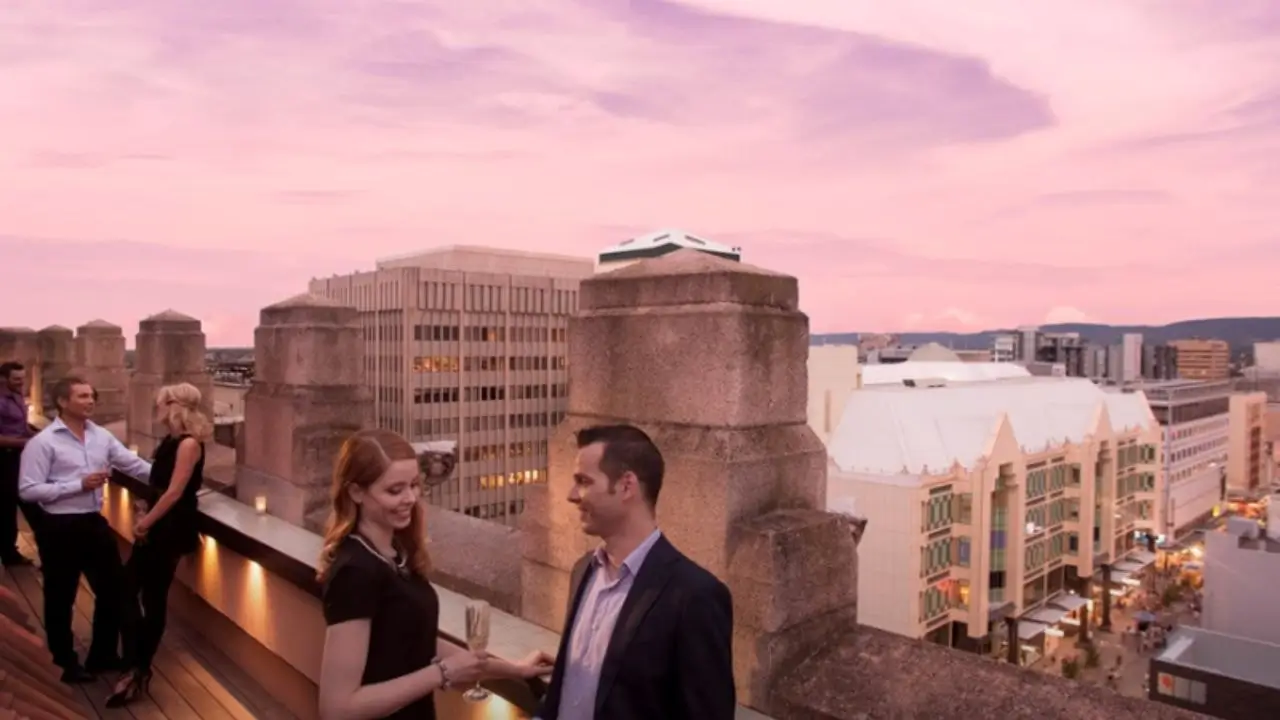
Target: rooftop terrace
x: 744, y: 496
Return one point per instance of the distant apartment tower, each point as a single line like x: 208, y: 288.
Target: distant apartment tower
x: 1159, y: 362
x: 1097, y: 362
x: 657, y: 244
x: 1247, y: 461
x: 1130, y: 357
x: 1203, y: 359
x: 469, y: 344
x: 1195, y: 419
x: 1266, y: 356
x: 1031, y: 345
x: 1002, y: 348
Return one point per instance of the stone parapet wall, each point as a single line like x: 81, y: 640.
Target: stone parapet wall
x: 869, y: 674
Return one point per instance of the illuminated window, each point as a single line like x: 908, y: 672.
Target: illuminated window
x: 435, y: 363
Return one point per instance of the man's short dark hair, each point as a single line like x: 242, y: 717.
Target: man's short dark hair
x: 7, y: 369
x: 62, y: 389
x: 627, y: 448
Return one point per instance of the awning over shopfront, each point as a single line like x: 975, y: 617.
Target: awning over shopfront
x: 1070, y: 603
x: 1126, y: 567
x: 1048, y: 615
x: 1028, y: 629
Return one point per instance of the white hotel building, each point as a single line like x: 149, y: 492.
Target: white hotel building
x: 990, y: 499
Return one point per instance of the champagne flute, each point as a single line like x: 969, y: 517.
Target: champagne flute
x: 477, y: 641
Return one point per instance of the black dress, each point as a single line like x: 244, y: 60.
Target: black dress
x: 176, y: 531
x: 154, y: 559
x: 403, y: 612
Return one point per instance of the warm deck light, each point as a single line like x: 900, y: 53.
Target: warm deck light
x: 260, y: 504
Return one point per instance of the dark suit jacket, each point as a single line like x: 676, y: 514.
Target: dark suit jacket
x: 670, y: 656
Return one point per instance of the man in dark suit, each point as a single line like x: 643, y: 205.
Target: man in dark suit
x: 648, y: 634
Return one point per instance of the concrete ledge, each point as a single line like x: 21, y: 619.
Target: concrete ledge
x: 871, y: 674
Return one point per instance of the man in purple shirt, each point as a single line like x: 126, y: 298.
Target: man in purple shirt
x: 648, y: 633
x: 14, y: 433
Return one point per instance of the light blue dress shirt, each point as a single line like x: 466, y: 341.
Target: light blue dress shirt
x: 55, y: 462
x: 592, y: 630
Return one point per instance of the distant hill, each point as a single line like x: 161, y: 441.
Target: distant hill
x: 1240, y: 333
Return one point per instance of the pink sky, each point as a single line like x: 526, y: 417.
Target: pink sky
x: 918, y: 164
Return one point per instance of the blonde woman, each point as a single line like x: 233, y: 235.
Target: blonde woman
x: 165, y: 531
x: 382, y: 653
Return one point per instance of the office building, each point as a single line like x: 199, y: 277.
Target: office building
x: 1196, y: 421
x: 468, y: 344
x: 1128, y: 362
x: 1203, y: 359
x: 1097, y: 362
x: 1031, y: 345
x: 1159, y: 362
x: 1003, y: 348
x: 992, y: 499
x: 657, y: 244
x: 1248, y: 467
x: 1266, y: 356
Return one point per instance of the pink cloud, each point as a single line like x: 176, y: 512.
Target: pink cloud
x: 911, y: 159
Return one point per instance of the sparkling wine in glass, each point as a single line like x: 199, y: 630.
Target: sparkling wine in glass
x: 477, y: 641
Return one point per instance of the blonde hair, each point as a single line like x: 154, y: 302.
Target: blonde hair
x: 365, y: 457
x: 181, y: 411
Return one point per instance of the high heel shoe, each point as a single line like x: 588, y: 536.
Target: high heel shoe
x: 129, y: 688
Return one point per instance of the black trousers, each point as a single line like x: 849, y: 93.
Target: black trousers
x: 149, y: 574
x: 72, y: 545
x: 10, y: 504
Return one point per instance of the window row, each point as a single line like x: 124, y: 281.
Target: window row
x: 451, y: 363
x: 482, y: 333
x: 519, y: 448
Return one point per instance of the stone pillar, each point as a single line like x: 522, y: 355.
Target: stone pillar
x: 170, y: 349
x: 57, y: 356
x: 308, y: 396
x: 99, y: 358
x: 20, y: 344
x: 746, y: 476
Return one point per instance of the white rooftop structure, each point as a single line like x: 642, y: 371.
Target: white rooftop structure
x: 662, y: 242
x: 933, y: 352
x: 953, y: 371
x: 899, y: 430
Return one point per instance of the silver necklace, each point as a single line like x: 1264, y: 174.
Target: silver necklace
x: 400, y: 564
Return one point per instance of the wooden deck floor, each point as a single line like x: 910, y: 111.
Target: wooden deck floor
x: 192, y: 681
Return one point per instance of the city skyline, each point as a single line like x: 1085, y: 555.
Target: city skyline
x: 917, y: 166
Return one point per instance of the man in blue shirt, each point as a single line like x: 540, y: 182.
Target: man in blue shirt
x: 63, y: 470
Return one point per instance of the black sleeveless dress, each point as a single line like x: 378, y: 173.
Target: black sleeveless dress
x: 176, y: 531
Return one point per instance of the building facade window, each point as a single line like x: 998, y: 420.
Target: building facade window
x: 435, y: 363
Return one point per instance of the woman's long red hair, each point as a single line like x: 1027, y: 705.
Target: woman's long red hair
x: 364, y: 458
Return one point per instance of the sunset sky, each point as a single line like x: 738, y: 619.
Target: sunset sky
x: 918, y: 164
